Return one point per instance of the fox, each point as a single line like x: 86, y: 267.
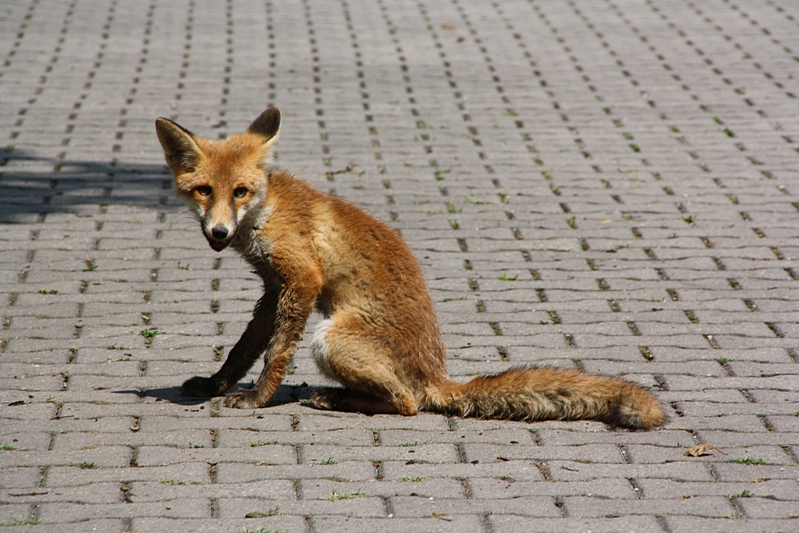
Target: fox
x: 379, y: 337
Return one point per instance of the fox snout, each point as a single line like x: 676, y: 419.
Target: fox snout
x: 218, y: 236
x: 219, y: 233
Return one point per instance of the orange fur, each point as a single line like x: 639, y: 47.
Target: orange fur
x: 380, y: 338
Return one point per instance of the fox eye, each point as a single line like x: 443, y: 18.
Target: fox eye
x: 203, y: 190
x: 240, y: 192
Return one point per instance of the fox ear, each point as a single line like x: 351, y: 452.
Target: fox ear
x: 267, y: 125
x: 180, y: 146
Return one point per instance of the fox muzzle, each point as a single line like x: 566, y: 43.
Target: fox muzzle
x: 219, y: 237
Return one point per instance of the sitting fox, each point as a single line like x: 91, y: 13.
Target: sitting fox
x: 380, y: 338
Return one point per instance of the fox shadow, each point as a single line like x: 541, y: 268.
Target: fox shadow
x: 286, y: 394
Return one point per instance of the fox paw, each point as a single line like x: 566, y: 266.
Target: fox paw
x: 326, y: 398
x: 247, y: 399
x: 199, y: 387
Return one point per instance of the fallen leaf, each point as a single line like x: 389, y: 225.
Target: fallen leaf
x: 699, y: 450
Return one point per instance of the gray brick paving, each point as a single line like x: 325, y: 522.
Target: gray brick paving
x: 606, y: 184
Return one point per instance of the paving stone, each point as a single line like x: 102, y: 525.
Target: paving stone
x: 601, y: 453
x: 96, y: 493
x: 74, y: 512
x: 407, y: 486
x: 555, y: 437
x: 443, y: 524
x: 107, y: 456
x: 334, y: 504
x: 328, y: 469
x: 510, y: 486
x: 428, y: 453
x: 666, y: 488
x: 518, y: 524
x: 101, y: 524
x: 662, y: 454
x: 409, y: 438
x: 171, y: 489
x: 747, y: 472
x: 213, y: 525
x: 734, y: 438
x: 63, y: 476
x: 163, y: 455
x: 341, y: 421
x: 745, y: 525
x: 420, y: 506
x: 521, y: 470
x: 563, y: 470
x: 698, y: 506
x: 21, y: 477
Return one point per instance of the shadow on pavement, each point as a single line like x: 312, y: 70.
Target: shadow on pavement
x: 32, y: 186
x: 285, y: 394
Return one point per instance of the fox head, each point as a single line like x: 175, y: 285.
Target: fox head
x: 223, y: 182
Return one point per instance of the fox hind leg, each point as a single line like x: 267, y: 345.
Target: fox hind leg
x: 345, y: 352
x: 338, y: 399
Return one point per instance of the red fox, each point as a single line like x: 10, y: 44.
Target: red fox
x: 380, y: 338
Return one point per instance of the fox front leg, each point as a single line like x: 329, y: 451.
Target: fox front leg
x: 293, y: 310
x: 247, y: 350
x: 266, y: 386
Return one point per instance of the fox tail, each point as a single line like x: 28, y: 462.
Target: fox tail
x: 529, y: 393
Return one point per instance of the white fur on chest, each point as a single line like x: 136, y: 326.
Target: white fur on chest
x: 250, y: 241
x: 320, y: 349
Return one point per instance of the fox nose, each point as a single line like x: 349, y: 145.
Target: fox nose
x: 219, y: 233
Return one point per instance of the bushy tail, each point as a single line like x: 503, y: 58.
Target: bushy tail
x: 550, y: 394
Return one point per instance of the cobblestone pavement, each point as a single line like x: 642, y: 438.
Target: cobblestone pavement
x: 608, y: 184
